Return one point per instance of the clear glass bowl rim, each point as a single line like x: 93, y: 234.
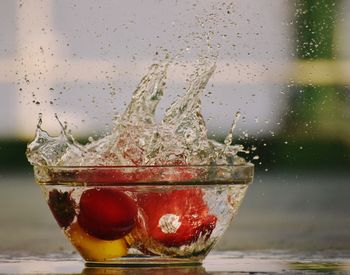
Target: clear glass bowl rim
x: 210, y: 175
x: 63, y: 167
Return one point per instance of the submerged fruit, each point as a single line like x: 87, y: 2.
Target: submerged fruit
x: 107, y: 175
x: 94, y: 249
x: 112, y: 175
x: 107, y: 213
x: 176, y: 218
x: 62, y: 207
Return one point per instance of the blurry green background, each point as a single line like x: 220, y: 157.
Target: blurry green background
x: 300, y: 196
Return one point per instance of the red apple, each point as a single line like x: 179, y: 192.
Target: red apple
x: 177, y: 217
x: 107, y: 213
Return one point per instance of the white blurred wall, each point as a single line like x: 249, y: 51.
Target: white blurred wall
x: 82, y: 59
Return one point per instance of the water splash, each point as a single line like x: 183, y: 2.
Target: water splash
x: 179, y: 139
x: 48, y: 150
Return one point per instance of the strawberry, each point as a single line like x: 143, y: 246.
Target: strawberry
x: 62, y: 207
x: 176, y: 218
x: 107, y: 213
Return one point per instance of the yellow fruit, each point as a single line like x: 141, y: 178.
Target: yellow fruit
x: 94, y: 249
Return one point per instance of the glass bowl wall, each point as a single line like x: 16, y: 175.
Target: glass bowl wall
x: 144, y: 215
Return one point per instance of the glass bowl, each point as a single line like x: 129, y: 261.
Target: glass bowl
x: 144, y: 215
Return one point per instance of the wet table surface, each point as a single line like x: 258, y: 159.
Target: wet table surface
x: 295, y: 213
x: 267, y: 262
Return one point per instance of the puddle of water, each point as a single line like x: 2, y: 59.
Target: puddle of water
x: 320, y: 266
x: 216, y: 263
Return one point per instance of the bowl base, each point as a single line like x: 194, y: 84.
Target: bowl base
x: 144, y: 261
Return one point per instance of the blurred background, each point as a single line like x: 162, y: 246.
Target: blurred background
x: 285, y: 65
